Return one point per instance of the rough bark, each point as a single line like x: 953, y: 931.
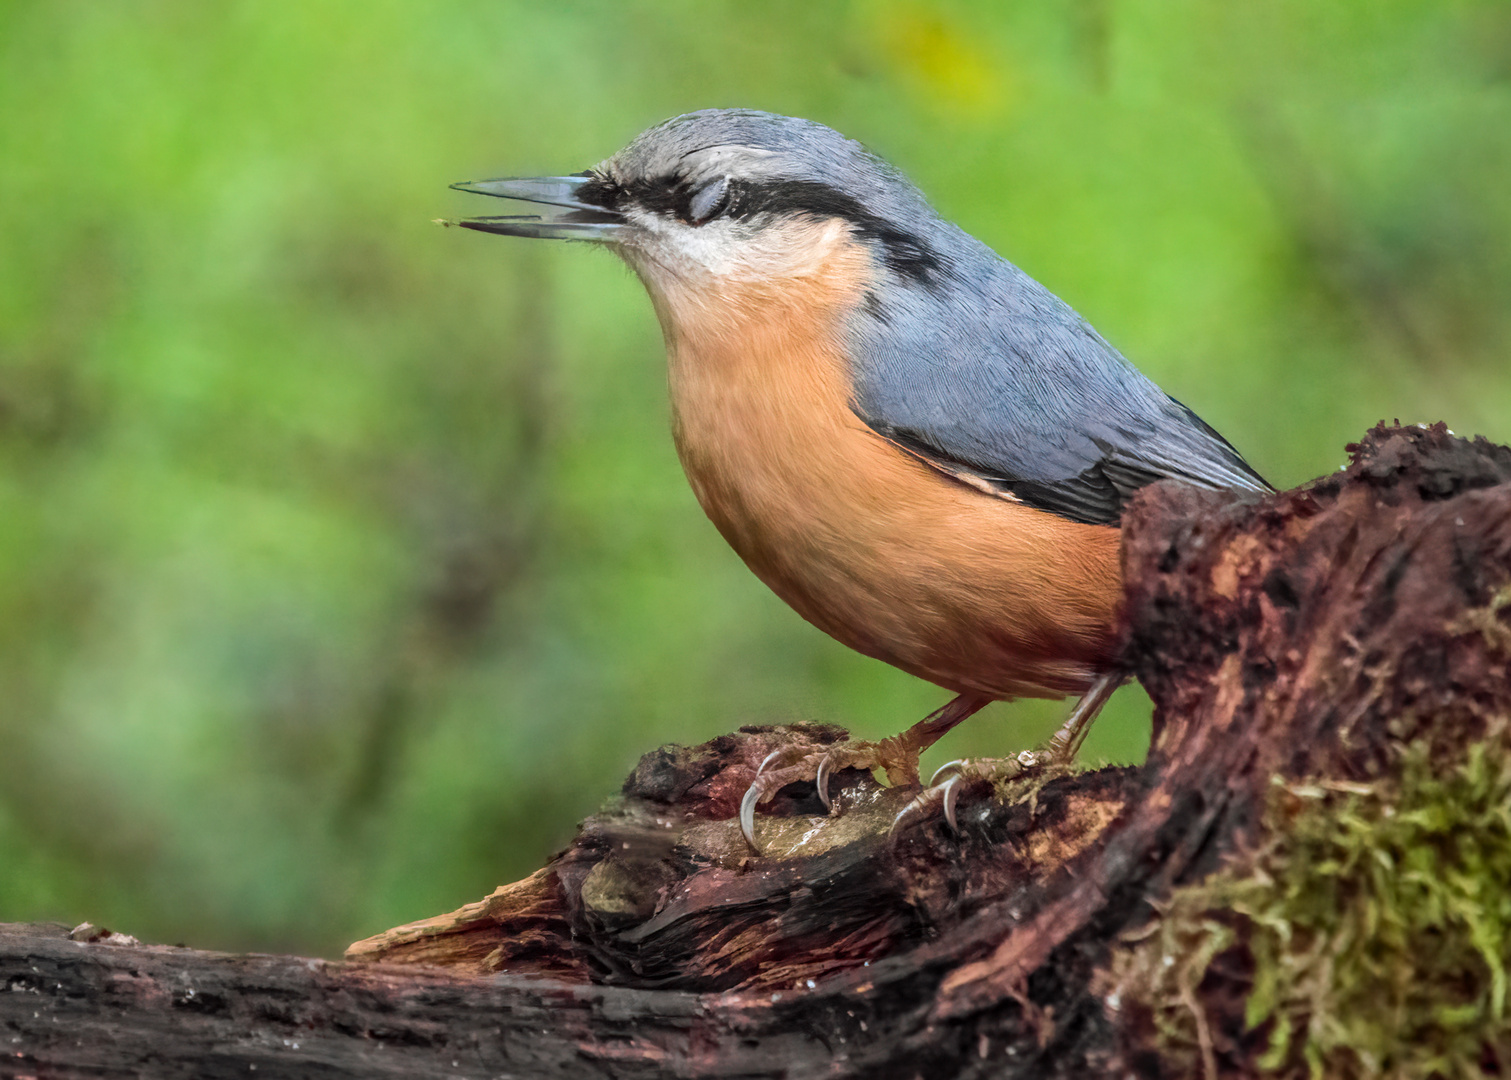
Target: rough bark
x: 1301, y: 636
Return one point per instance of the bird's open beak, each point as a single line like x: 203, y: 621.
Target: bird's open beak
x: 568, y: 218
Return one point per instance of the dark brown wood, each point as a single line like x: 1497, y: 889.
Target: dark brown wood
x: 1297, y: 636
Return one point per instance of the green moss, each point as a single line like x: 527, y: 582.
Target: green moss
x: 1376, y: 921
x: 1024, y: 787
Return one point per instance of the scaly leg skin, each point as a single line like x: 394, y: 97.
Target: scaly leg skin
x: 1060, y: 750
x: 898, y: 755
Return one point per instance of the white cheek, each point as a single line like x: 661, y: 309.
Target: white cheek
x: 690, y: 252
x: 673, y: 253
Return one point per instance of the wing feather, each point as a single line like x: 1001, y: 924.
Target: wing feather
x: 1005, y: 387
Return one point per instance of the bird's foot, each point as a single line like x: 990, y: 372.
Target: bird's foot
x: 953, y: 776
x: 893, y: 755
x: 1040, y: 765
x: 1057, y: 755
x: 897, y: 755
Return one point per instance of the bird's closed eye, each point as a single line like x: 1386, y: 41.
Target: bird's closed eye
x: 708, y: 200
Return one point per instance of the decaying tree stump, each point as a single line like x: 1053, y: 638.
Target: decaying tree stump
x: 1303, y: 638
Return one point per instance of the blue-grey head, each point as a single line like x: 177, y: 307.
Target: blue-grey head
x: 723, y: 192
x: 956, y: 355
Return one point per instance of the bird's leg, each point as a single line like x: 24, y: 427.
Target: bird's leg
x: 1065, y: 744
x: 897, y: 754
x: 1060, y: 750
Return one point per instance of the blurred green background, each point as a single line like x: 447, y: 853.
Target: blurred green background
x: 345, y: 562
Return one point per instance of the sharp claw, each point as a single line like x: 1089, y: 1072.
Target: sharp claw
x: 904, y: 812
x: 752, y: 796
x: 958, y: 763
x: 951, y: 793
x: 948, y: 792
x: 822, y: 780
x: 747, y: 814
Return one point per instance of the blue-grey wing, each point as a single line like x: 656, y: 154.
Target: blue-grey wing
x: 987, y: 375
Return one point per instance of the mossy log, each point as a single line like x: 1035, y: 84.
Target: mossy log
x: 1349, y: 640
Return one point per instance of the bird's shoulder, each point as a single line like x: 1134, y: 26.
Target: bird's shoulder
x: 989, y: 377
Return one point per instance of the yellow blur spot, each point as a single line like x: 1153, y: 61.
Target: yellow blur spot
x: 940, y: 59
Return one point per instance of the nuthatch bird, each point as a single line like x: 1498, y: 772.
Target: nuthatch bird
x: 913, y: 443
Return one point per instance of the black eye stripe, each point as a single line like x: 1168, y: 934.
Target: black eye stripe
x: 662, y: 196
x: 601, y: 191
x: 665, y: 197
x: 904, y: 252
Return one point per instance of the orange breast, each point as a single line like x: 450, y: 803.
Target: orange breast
x: 976, y: 593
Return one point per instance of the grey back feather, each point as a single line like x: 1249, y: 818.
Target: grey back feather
x: 986, y: 371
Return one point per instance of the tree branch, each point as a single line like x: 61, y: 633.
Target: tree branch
x: 1304, y: 637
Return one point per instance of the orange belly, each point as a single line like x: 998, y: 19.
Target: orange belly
x: 976, y: 593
